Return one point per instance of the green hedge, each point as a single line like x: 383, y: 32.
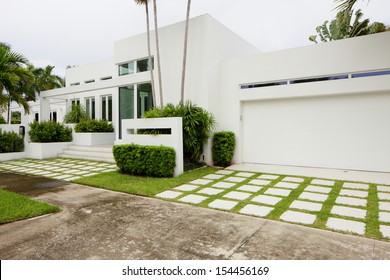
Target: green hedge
x: 11, y: 142
x: 94, y: 126
x: 155, y: 161
x: 44, y: 132
x: 224, y: 143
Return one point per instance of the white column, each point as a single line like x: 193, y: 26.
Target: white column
x: 44, y: 112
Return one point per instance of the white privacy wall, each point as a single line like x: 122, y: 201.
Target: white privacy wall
x: 336, y: 124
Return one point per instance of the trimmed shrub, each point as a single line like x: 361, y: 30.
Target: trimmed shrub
x: 44, y: 132
x: 224, y: 143
x: 11, y: 142
x: 94, y: 126
x: 76, y: 115
x: 197, y: 126
x: 155, y: 161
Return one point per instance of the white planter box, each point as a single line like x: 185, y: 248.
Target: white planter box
x: 12, y: 156
x: 45, y: 150
x: 92, y: 139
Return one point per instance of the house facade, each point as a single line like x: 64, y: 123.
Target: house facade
x: 325, y: 105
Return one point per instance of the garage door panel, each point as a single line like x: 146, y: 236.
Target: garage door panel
x: 349, y: 132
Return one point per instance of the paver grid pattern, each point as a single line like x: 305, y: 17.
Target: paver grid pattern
x: 336, y: 205
x: 60, y: 169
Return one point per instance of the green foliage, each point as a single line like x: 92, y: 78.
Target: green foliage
x: 94, y: 126
x: 2, y: 120
x: 224, y: 143
x: 47, y: 131
x: 346, y: 25
x: 11, y: 142
x: 197, y: 126
x: 145, y: 160
x: 76, y: 115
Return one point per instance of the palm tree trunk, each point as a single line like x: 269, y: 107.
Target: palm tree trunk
x: 183, y: 73
x: 150, y: 55
x: 158, y: 53
x: 9, y: 112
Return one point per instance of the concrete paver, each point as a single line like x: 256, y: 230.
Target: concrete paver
x: 359, y: 186
x: 210, y: 191
x: 249, y: 188
x: 385, y: 230
x: 293, y: 179
x: 323, y: 182
x: 349, y: 212
x: 169, y: 194
x: 222, y: 204
x: 361, y: 194
x: 383, y: 188
x: 286, y: 185
x: 268, y: 177
x: 259, y: 182
x: 384, y: 217
x: 200, y: 182
x: 318, y: 189
x: 384, y: 206
x: 304, y: 205
x: 224, y: 185
x: 235, y: 179
x: 314, y: 196
x: 278, y: 192
x: 260, y: 211
x: 244, y: 174
x: 237, y: 195
x: 298, y: 217
x: 346, y: 225
x: 351, y: 201
x: 186, y: 188
x: 383, y: 196
x: 193, y: 198
x: 267, y: 199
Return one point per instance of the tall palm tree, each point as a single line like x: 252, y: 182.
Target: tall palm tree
x: 145, y: 2
x: 343, y: 27
x: 344, y: 5
x: 158, y: 53
x: 45, y: 79
x: 183, y: 74
x: 15, y: 79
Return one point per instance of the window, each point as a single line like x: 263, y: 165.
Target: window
x: 106, y: 102
x: 53, y: 116
x: 75, y: 102
x: 36, y: 117
x: 90, y: 107
x: 89, y: 81
x: 126, y: 68
x: 144, y: 99
x: 75, y: 84
x: 143, y: 65
x: 106, y: 78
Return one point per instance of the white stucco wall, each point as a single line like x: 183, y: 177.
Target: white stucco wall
x: 362, y: 54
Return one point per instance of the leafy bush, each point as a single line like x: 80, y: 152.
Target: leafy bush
x: 11, y: 142
x: 2, y: 120
x: 224, y: 143
x: 156, y: 161
x: 76, y: 115
x: 94, y: 126
x: 197, y: 126
x: 47, y: 131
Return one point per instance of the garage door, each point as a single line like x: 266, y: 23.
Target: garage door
x: 347, y: 132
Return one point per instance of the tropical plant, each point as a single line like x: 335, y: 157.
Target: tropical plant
x: 183, y: 74
x: 44, y: 79
x: 2, y: 120
x: 346, y: 26
x: 145, y: 3
x: 15, y: 80
x: 76, y: 115
x: 345, y: 5
x: 197, y: 126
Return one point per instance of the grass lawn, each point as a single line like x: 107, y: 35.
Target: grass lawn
x: 146, y: 186
x: 15, y: 207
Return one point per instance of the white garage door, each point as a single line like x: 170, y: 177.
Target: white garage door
x: 347, y: 132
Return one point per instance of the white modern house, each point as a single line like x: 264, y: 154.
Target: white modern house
x: 325, y: 105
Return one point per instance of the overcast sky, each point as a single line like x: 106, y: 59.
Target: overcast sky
x: 74, y: 32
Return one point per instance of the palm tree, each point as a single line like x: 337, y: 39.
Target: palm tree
x: 183, y: 76
x: 345, y: 5
x: 342, y: 27
x: 145, y: 2
x: 45, y: 79
x: 15, y: 79
x: 158, y: 53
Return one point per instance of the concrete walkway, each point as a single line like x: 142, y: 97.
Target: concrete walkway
x: 326, y: 173
x: 100, y: 224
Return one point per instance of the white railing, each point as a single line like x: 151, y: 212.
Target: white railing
x: 174, y: 139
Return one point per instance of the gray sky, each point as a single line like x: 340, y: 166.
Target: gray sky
x: 74, y: 32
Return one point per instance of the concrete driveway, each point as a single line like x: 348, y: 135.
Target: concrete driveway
x: 101, y: 224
